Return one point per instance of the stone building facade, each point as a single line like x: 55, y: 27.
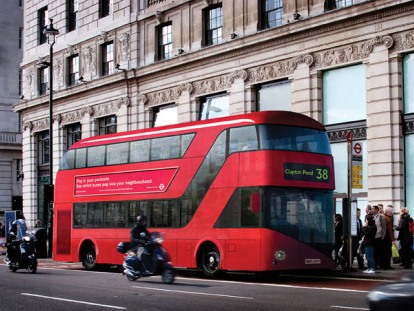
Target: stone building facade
x: 11, y: 47
x: 126, y: 64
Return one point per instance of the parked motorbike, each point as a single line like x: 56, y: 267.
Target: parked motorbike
x: 154, y: 261
x: 21, y: 254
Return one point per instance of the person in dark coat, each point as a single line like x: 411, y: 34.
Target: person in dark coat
x: 405, y: 237
x: 369, y: 230
x: 338, y: 238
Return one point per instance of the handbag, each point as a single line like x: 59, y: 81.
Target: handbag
x: 395, y: 255
x: 361, y: 248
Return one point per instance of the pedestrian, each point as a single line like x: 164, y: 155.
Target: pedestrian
x: 381, y: 209
x: 38, y: 223
x: 379, y: 236
x: 369, y: 230
x: 405, y: 237
x: 339, y: 245
x: 367, y: 211
x: 389, y: 239
x: 356, y: 242
x: 2, y: 230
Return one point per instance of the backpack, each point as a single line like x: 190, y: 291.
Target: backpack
x: 411, y: 226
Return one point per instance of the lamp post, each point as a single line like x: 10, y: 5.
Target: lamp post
x: 51, y: 34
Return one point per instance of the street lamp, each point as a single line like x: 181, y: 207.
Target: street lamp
x: 51, y: 34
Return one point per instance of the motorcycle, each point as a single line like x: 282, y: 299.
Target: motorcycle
x: 21, y: 254
x: 154, y: 261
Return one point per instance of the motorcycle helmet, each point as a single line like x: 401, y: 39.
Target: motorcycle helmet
x: 141, y: 218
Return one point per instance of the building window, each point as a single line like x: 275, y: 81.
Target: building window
x: 72, y: 17
x: 73, y: 70
x: 107, y: 125
x: 104, y: 8
x: 44, y: 152
x: 43, y: 81
x: 408, y: 76
x: 107, y: 58
x: 215, y: 107
x: 343, y: 3
x: 42, y: 18
x: 274, y: 96
x: 408, y: 80
x: 340, y: 154
x: 19, y: 170
x: 271, y: 13
x: 165, y: 115
x: 165, y: 41
x: 74, y: 134
x: 20, y: 37
x: 213, y: 18
x: 343, y: 95
x: 20, y: 82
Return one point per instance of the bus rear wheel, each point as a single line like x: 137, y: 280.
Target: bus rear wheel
x: 89, y: 257
x: 210, y: 261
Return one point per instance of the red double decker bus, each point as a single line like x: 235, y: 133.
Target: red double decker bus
x: 251, y: 192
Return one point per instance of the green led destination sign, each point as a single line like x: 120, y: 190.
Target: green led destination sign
x: 306, y: 172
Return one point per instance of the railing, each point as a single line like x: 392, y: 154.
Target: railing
x: 10, y: 138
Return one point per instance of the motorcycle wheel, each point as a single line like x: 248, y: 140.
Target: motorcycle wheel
x: 168, y: 275
x: 12, y: 267
x: 32, y: 267
x: 131, y: 278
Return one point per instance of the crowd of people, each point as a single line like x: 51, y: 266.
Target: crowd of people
x: 375, y: 238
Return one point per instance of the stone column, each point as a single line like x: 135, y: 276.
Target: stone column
x: 237, y: 93
x: 384, y: 131
x: 184, y: 104
x: 30, y: 182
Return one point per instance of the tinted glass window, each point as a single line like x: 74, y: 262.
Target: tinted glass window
x: 96, y: 156
x: 281, y: 137
x: 117, y: 153
x: 243, y: 139
x: 304, y: 215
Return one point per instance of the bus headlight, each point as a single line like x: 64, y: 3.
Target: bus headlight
x: 280, y: 255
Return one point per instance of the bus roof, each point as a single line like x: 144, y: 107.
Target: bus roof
x: 262, y: 117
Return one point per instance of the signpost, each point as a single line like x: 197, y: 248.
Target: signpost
x: 354, y: 182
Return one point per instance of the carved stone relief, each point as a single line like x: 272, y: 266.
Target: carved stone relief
x: 29, y: 82
x: 403, y: 41
x: 58, y: 73
x: 164, y: 96
x: 88, y: 61
x: 272, y: 71
x: 123, y: 48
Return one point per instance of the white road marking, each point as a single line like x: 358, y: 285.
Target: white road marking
x: 191, y: 293
x: 349, y: 308
x: 75, y: 301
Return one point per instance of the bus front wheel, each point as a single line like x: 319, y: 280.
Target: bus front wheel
x: 210, y: 261
x: 89, y: 257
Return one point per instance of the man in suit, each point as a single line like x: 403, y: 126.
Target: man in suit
x: 355, y: 242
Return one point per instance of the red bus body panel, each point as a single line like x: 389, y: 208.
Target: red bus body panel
x: 243, y: 249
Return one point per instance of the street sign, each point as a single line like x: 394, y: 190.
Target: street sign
x: 356, y: 165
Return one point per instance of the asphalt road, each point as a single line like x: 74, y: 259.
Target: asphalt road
x: 75, y: 289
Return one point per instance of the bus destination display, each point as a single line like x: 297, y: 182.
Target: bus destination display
x: 306, y: 172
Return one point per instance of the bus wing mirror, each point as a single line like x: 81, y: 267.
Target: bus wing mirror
x: 255, y: 202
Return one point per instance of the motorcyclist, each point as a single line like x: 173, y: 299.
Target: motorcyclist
x: 17, y: 231
x: 139, y: 238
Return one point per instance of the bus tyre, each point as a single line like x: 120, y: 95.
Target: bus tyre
x: 89, y: 257
x: 210, y: 261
